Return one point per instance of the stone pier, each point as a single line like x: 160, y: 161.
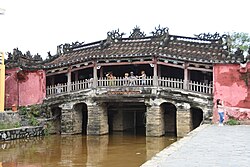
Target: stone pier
x: 71, y: 121
x: 97, y: 119
x: 184, y: 120
x: 155, y: 121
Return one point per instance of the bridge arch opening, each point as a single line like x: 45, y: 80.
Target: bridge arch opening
x: 169, y: 111
x: 197, y: 116
x: 81, y: 117
x: 127, y: 117
x: 56, y: 123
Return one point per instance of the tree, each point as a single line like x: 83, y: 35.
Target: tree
x: 239, y: 40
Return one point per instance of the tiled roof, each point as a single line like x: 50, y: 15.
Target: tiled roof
x: 204, y: 48
x: 176, y: 47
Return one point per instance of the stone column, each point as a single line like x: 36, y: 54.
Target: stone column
x: 155, y: 121
x: 184, y: 119
x: 97, y: 119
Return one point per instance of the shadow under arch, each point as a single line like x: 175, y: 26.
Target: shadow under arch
x: 196, y: 116
x: 169, y: 111
x: 127, y: 117
x: 81, y: 116
x: 56, y: 121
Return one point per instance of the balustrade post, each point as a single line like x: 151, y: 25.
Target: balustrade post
x: 155, y: 77
x: 186, y: 77
x: 95, y: 75
x: 69, y: 80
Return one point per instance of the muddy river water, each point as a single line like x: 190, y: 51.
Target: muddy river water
x: 116, y: 150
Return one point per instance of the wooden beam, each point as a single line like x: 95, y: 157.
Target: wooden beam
x: 124, y: 63
x: 200, y: 69
x: 170, y: 65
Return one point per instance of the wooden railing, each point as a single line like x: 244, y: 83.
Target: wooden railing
x: 122, y: 82
x: 164, y: 82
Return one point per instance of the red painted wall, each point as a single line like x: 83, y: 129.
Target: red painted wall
x: 231, y: 84
x: 24, y: 87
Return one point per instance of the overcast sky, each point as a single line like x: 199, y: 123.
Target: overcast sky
x: 40, y: 25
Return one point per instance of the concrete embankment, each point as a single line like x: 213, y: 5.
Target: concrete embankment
x: 208, y: 145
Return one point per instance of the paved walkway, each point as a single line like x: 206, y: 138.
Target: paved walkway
x: 208, y: 146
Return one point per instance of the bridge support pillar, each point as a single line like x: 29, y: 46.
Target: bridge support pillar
x: 184, y: 120
x: 118, y: 123
x: 155, y: 121
x: 71, y: 121
x: 97, y: 119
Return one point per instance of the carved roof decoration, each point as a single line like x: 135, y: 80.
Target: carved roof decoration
x: 160, y: 31
x: 203, y: 48
x: 137, y: 33
x: 115, y: 34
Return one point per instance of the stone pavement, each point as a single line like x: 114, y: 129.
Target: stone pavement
x: 208, y: 146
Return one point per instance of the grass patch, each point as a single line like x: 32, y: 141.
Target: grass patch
x: 232, y: 122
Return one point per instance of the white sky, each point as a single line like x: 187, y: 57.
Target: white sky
x: 41, y: 25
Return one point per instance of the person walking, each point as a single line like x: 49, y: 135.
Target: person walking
x: 220, y: 109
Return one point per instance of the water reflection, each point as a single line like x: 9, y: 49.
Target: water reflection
x: 114, y: 150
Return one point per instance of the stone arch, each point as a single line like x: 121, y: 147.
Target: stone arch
x: 80, y: 117
x: 169, y: 116
x: 56, y: 121
x: 196, y: 116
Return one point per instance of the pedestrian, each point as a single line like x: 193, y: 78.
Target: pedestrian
x: 143, y: 77
x: 126, y: 79
x: 111, y: 79
x: 58, y: 88
x: 220, y: 109
x: 132, y: 79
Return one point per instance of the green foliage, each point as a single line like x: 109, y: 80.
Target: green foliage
x: 23, y: 110
x: 9, y: 125
x: 232, y: 121
x: 47, y: 128
x: 31, y: 113
x: 33, y: 121
x: 34, y: 110
x: 239, y: 40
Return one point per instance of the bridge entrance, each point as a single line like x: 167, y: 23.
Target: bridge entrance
x: 127, y: 117
x: 169, y: 111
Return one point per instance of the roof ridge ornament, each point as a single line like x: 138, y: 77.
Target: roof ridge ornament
x: 137, y: 33
x: 64, y: 48
x: 209, y: 36
x: 115, y: 34
x: 160, y: 31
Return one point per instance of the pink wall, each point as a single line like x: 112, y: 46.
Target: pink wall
x: 30, y: 88
x: 231, y: 84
